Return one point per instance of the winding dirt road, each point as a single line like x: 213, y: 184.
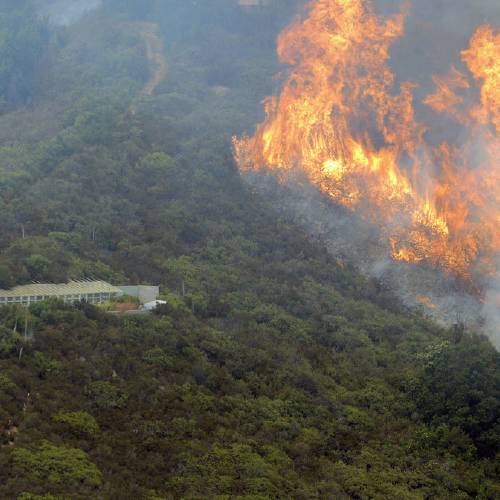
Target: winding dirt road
x: 155, y: 55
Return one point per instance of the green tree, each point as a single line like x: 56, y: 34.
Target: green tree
x: 460, y: 386
x: 80, y: 423
x: 56, y: 464
x: 10, y: 341
x: 105, y: 395
x: 23, y: 40
x: 45, y: 366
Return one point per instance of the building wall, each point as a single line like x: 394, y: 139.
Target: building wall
x: 26, y: 300
x: 93, y: 292
x: 143, y: 292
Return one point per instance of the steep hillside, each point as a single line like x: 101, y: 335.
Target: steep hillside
x: 274, y: 371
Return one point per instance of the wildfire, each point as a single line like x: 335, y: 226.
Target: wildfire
x: 427, y: 302
x: 339, y: 123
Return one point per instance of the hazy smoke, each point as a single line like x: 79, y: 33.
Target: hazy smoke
x: 352, y: 240
x: 435, y: 33
x: 491, y: 313
x: 64, y: 12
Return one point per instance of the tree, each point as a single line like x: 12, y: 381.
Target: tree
x: 57, y: 465
x: 10, y: 341
x: 23, y: 40
x: 6, y: 278
x: 460, y: 386
x: 79, y: 423
x: 44, y: 366
x: 106, y: 395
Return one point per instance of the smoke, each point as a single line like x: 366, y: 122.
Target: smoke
x: 436, y: 31
x: 491, y: 312
x: 65, y: 12
x: 352, y: 240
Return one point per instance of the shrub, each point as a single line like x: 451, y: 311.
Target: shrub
x: 78, y: 422
x: 106, y: 395
x: 57, y: 464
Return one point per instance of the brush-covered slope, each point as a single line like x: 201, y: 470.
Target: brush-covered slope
x: 273, y: 372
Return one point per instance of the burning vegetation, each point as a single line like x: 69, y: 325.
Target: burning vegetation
x: 340, y: 122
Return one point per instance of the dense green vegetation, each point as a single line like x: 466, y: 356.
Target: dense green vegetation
x: 23, y: 42
x: 328, y: 397
x: 273, y: 371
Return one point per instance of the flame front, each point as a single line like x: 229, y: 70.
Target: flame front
x: 338, y: 122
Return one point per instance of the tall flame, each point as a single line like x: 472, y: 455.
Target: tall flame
x: 339, y: 122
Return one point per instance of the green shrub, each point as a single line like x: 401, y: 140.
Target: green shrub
x: 56, y: 464
x: 106, y: 395
x: 78, y: 422
x: 157, y: 357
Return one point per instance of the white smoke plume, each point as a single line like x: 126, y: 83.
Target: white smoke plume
x: 65, y: 12
x: 491, y: 313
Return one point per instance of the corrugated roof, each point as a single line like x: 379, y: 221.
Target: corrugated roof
x: 52, y: 290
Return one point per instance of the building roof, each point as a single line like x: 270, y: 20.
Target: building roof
x: 71, y: 288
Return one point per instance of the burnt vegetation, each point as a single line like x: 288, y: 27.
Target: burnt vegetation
x: 273, y: 371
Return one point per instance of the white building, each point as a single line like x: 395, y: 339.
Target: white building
x: 150, y: 306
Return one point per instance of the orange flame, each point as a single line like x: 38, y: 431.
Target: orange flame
x: 427, y: 302
x: 338, y: 122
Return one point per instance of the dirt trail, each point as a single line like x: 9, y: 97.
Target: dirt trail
x: 155, y: 55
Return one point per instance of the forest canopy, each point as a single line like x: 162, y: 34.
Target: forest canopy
x: 23, y: 43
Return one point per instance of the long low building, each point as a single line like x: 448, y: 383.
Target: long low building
x: 93, y: 292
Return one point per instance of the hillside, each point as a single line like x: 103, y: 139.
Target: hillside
x: 274, y: 371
